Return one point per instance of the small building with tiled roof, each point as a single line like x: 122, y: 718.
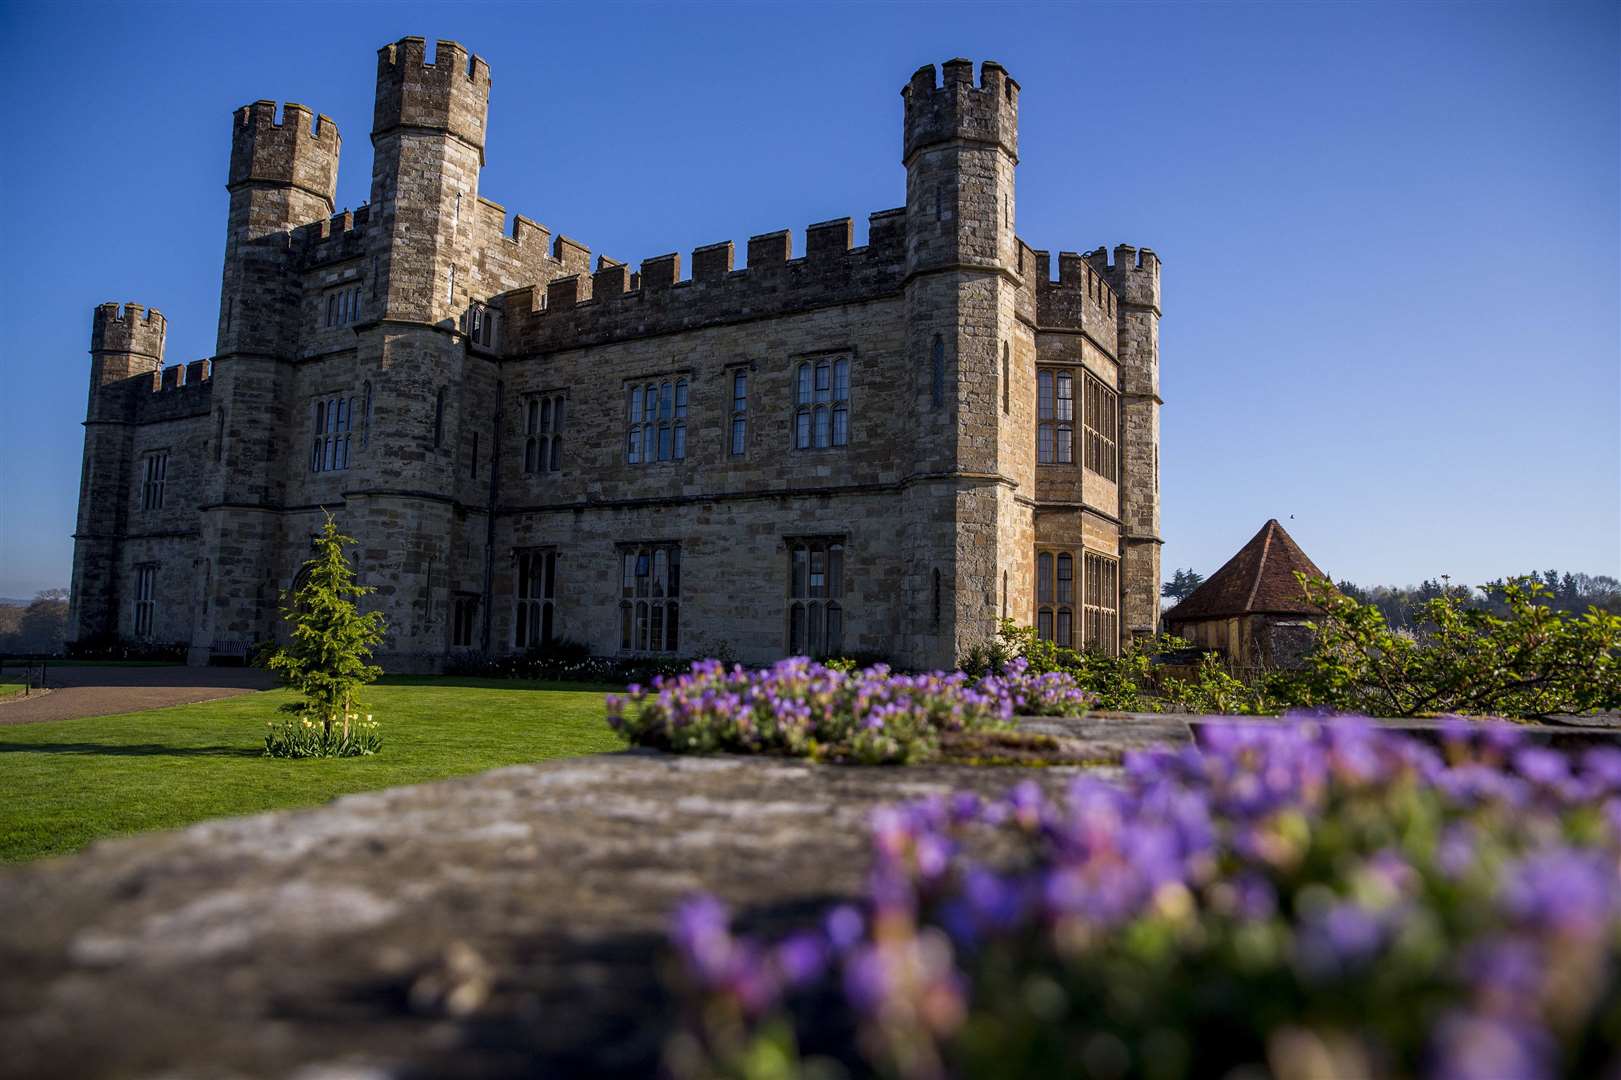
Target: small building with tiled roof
x: 1253, y: 610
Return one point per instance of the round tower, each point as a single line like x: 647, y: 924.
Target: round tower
x: 960, y: 148
x: 125, y: 340
x: 427, y: 150
x: 282, y: 174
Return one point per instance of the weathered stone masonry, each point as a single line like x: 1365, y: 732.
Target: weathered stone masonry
x: 382, y: 365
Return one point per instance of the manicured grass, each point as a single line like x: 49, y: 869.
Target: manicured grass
x: 68, y: 782
x: 9, y: 687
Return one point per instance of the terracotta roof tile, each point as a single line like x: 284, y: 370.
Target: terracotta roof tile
x: 1260, y: 578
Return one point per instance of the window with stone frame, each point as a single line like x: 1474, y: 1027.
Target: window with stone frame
x: 146, y: 578
x: 737, y: 439
x: 1101, y: 419
x: 154, y: 478
x: 656, y: 421
x: 463, y: 620
x: 1055, y: 597
x: 1055, y: 417
x: 1102, y: 609
x: 815, y: 596
x: 822, y: 403
x: 543, y: 433
x: 534, y: 598
x: 333, y: 417
x: 482, y: 324
x: 650, y: 597
x: 343, y: 305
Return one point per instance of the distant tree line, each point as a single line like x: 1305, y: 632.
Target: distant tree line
x: 1566, y: 592
x: 40, y: 627
x: 1398, y: 603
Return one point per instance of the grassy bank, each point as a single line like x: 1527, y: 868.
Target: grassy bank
x: 69, y: 782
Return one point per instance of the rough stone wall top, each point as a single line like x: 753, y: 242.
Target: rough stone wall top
x: 452, y: 94
x: 128, y: 328
x: 1134, y: 274
x: 988, y: 113
x: 288, y: 152
x: 586, y: 310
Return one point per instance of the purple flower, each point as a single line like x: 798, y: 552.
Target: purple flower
x: 802, y: 958
x: 1466, y: 1046
x: 1565, y: 890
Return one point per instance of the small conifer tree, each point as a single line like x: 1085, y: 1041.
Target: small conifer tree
x: 328, y: 659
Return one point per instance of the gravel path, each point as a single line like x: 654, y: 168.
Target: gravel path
x: 102, y: 691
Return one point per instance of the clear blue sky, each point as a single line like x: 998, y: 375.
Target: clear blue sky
x: 1391, y: 232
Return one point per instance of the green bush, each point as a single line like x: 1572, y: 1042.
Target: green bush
x: 328, y: 659
x: 1534, y: 661
x: 1122, y: 683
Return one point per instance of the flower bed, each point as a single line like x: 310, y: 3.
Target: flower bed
x: 1305, y: 900
x: 804, y: 709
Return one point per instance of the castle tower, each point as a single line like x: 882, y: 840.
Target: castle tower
x: 281, y: 175
x: 125, y: 343
x: 1134, y: 275
x: 960, y: 151
x: 428, y: 147
x: 427, y: 150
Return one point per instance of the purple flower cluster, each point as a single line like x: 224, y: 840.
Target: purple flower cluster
x: 1305, y: 898
x: 804, y: 709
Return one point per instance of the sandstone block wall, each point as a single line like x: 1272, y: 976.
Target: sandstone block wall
x: 454, y: 315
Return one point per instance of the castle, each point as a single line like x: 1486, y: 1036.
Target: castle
x: 876, y: 449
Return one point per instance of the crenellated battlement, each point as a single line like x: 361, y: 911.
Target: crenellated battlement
x: 450, y: 95
x: 1081, y: 298
x: 525, y: 232
x: 332, y: 239
x: 613, y: 302
x: 128, y: 328
x: 289, y: 151
x: 956, y: 109
x: 1134, y: 273
x: 182, y: 376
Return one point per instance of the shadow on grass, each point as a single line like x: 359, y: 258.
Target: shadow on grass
x: 91, y: 749
x: 478, y: 682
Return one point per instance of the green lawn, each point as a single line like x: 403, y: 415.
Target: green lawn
x: 67, y: 782
x: 9, y: 686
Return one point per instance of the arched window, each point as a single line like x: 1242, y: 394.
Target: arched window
x: 439, y: 419
x: 1007, y: 378
x: 219, y: 434
x: 534, y: 599
x: 656, y: 422
x: 365, y: 415
x: 1102, y: 606
x: 937, y: 373
x: 650, y: 598
x: 543, y: 433
x: 815, y: 592
x: 822, y: 404
x: 1055, y: 417
x: 740, y: 413
x: 329, y: 448
x: 934, y: 601
x: 1055, y: 597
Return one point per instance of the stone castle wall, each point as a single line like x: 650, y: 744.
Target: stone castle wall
x: 938, y: 495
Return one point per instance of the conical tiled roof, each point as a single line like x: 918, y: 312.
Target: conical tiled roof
x: 1260, y: 578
